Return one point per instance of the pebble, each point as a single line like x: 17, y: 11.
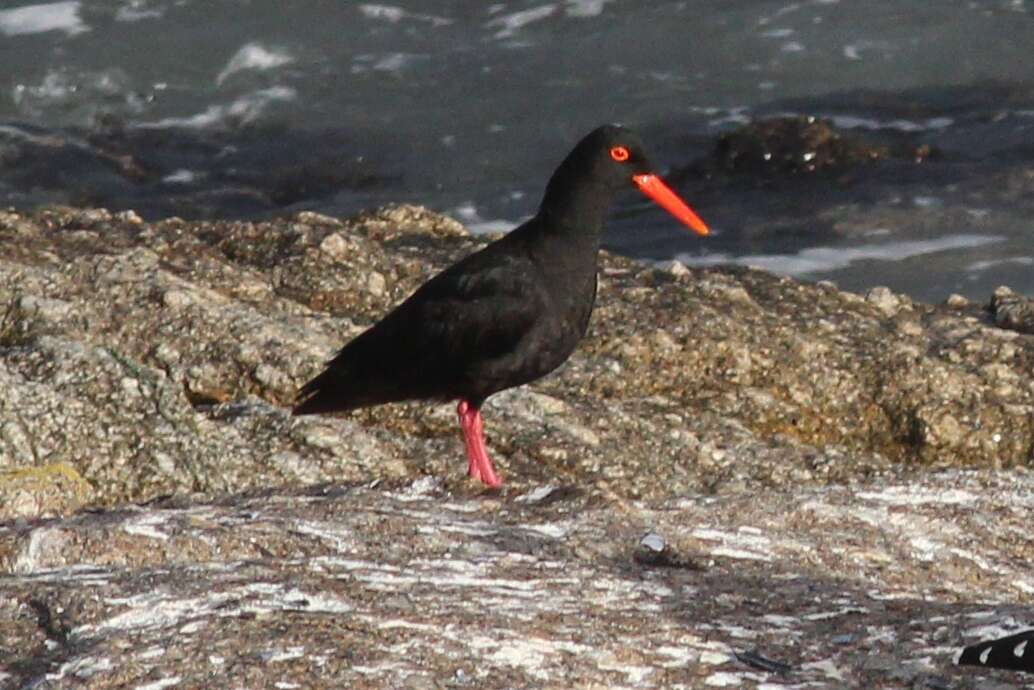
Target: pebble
x: 883, y: 299
x: 376, y: 284
x: 678, y: 269
x: 336, y: 246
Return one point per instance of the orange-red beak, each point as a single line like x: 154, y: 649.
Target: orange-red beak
x: 653, y: 187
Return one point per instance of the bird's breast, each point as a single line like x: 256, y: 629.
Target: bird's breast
x: 569, y: 319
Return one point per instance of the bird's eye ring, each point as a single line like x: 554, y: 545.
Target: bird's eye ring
x: 620, y: 154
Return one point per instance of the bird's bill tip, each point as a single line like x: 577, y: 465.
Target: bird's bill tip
x: 654, y: 187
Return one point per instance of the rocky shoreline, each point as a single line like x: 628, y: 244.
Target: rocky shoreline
x: 788, y: 440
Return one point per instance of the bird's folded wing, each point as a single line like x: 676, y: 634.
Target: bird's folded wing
x: 451, y: 331
x: 476, y: 314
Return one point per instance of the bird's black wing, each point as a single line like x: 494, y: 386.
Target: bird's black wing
x: 1013, y: 653
x: 448, y: 339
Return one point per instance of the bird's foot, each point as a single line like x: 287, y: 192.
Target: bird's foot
x: 479, y: 465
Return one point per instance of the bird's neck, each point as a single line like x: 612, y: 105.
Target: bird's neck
x: 568, y: 238
x: 577, y: 210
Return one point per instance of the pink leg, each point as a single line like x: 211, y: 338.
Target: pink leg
x: 479, y: 464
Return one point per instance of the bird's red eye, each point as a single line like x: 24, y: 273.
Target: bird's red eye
x: 619, y: 153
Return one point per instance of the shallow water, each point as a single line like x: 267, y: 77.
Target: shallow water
x: 245, y: 109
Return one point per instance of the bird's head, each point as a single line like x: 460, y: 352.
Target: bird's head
x: 614, y: 157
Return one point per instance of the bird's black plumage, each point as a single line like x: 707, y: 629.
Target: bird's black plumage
x: 505, y: 315
x: 1012, y: 653
x: 501, y: 317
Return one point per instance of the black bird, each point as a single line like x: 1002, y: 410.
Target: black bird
x: 1012, y: 653
x: 505, y: 315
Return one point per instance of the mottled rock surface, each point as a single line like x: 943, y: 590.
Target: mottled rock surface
x: 1013, y: 311
x: 786, y: 443
x: 413, y: 586
x: 157, y: 358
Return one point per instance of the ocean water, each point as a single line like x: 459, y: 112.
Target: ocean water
x: 256, y: 108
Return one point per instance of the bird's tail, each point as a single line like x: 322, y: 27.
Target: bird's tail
x: 325, y: 393
x: 342, y: 387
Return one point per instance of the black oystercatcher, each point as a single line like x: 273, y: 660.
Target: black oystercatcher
x: 505, y: 315
x: 1012, y: 653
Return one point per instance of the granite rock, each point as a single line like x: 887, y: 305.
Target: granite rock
x: 835, y: 486
x: 409, y: 584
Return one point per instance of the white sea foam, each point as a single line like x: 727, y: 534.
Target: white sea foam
x: 821, y: 259
x: 852, y: 122
x: 468, y: 215
x: 585, y: 8
x: 394, y: 15
x: 253, y: 56
x: 856, y: 51
x: 510, y: 24
x: 778, y: 33
x: 385, y: 62
x: 137, y: 10
x: 243, y: 110
x: 984, y: 265
x: 739, y: 115
x: 181, y: 176
x: 37, y: 19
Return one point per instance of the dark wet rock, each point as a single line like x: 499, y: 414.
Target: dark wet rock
x: 789, y: 145
x: 1012, y: 311
x: 318, y: 179
x: 782, y: 185
x: 186, y: 170
x: 780, y: 146
x: 654, y: 551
